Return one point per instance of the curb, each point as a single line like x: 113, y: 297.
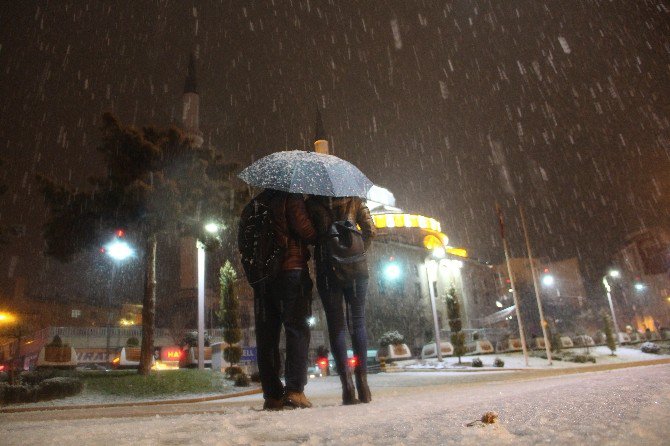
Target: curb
x: 222, y: 396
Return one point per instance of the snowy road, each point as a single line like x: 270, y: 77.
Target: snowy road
x: 625, y: 406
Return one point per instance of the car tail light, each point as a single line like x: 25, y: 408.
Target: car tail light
x: 322, y: 362
x: 353, y: 362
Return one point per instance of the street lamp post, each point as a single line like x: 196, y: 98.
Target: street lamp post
x: 431, y: 273
x: 119, y: 251
x: 211, y: 228
x: 608, y: 289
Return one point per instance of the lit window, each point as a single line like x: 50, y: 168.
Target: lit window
x: 76, y: 313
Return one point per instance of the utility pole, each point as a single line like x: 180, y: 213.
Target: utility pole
x: 522, y: 334
x: 543, y: 322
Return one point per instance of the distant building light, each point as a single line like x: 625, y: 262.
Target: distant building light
x: 499, y: 304
x: 639, y: 286
x: 460, y: 252
x: 615, y: 273
x: 406, y: 221
x: 76, y: 313
x: 311, y: 321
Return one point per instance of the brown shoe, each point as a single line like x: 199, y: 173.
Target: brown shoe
x: 297, y: 400
x: 273, y: 404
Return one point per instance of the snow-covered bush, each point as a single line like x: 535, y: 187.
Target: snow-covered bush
x: 16, y: 394
x: 498, y: 363
x: 242, y: 380
x: 477, y: 363
x: 584, y: 359
x: 391, y: 338
x: 650, y: 347
x: 233, y: 371
x: 59, y: 387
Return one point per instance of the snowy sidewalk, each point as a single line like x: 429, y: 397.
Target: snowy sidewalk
x: 624, y: 406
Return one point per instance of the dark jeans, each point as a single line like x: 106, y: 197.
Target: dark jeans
x: 333, y: 297
x: 286, y: 300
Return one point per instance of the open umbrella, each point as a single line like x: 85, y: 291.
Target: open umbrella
x: 312, y: 173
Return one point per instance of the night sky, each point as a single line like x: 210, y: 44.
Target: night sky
x: 562, y: 106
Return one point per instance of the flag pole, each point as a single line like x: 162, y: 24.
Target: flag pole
x: 543, y: 322
x: 522, y: 334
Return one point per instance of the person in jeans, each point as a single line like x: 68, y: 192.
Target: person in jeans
x: 334, y: 293
x: 286, y: 300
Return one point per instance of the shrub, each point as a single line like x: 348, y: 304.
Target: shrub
x: 59, y: 387
x: 233, y: 371
x: 477, y: 363
x: 256, y: 377
x: 34, y: 377
x: 498, y: 363
x: 191, y: 339
x: 391, y: 338
x: 242, y: 380
x: 18, y: 394
x: 232, y: 353
x: 584, y: 359
x: 650, y: 347
x: 133, y: 342
x: 4, y: 377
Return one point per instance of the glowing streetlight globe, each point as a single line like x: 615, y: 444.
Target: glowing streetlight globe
x: 392, y: 271
x: 119, y: 250
x: 615, y: 273
x: 212, y: 228
x: 639, y: 286
x: 548, y: 280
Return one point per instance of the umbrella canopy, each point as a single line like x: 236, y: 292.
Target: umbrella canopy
x: 311, y: 173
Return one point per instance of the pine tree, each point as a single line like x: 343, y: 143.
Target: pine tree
x: 157, y: 183
x: 609, y: 335
x: 229, y: 313
x: 455, y: 324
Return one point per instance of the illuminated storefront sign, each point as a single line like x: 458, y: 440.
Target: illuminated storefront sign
x: 173, y: 353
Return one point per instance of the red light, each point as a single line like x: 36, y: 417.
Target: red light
x: 322, y: 362
x: 2, y: 368
x: 546, y: 270
x: 102, y: 250
x: 120, y: 233
x: 507, y: 281
x: 391, y: 258
x: 353, y: 362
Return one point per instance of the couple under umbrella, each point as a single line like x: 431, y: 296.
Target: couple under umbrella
x: 275, y: 229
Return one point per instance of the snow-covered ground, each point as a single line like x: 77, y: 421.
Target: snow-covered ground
x: 623, y: 406
x: 516, y: 360
x: 512, y: 361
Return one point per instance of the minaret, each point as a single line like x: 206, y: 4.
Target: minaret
x: 190, y: 116
x: 320, y: 141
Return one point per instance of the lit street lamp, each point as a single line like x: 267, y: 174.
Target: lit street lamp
x: 213, y: 229
x: 614, y: 274
x: 119, y: 250
x: 431, y: 275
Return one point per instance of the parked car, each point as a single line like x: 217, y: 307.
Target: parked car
x: 371, y: 361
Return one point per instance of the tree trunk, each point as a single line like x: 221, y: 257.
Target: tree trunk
x: 148, y: 307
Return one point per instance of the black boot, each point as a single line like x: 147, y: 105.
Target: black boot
x: 364, y: 395
x: 348, y: 389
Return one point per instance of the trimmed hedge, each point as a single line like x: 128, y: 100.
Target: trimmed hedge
x: 477, y: 363
x: 48, y: 389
